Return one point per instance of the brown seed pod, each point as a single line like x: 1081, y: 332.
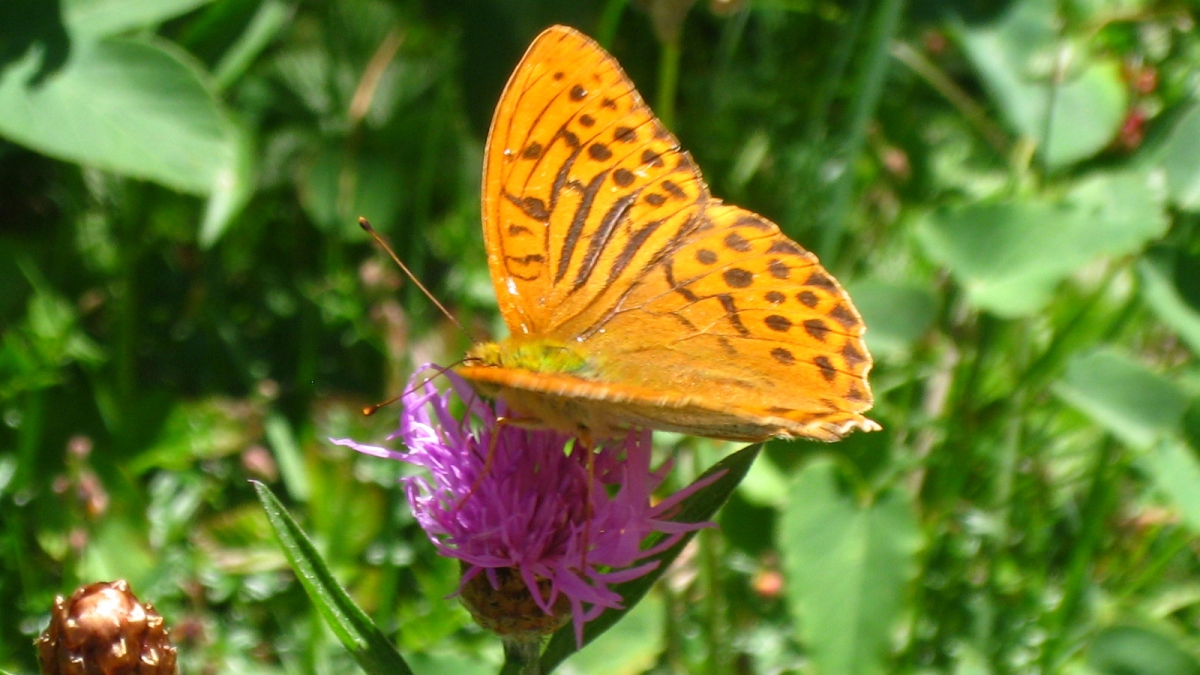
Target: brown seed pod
x: 102, y: 629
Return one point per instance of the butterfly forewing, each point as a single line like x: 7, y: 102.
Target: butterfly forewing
x: 582, y: 185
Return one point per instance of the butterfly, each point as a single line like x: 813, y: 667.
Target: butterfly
x: 633, y: 297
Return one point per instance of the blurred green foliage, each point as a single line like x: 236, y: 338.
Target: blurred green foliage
x: 1010, y: 190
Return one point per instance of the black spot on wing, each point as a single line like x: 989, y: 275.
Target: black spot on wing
x: 532, y: 151
x: 736, y: 277
x: 844, y: 317
x: 530, y: 206
x: 652, y: 158
x: 737, y: 242
x: 816, y: 328
x: 826, y: 366
x: 599, y: 152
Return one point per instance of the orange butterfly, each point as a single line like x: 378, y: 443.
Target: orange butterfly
x: 633, y: 296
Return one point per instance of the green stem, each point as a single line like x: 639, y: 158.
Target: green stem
x: 523, y: 656
x: 868, y: 91
x: 716, y: 628
x: 668, y: 82
x: 1095, y: 511
x: 610, y: 20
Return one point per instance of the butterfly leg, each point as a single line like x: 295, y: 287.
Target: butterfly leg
x: 587, y: 444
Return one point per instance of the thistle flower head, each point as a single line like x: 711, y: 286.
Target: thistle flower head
x: 520, y: 520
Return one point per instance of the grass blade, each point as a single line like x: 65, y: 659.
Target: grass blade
x: 372, y: 650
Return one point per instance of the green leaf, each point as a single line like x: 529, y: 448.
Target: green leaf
x: 698, y: 507
x: 1010, y: 256
x: 366, y: 643
x: 1182, y: 162
x: 1123, y: 396
x: 630, y: 648
x: 849, y: 563
x: 1021, y: 55
x: 896, y: 315
x: 96, y: 18
x: 232, y: 188
x: 137, y: 108
x: 1130, y: 650
x: 1173, y: 467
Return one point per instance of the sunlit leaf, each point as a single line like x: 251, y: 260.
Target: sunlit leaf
x: 849, y: 563
x: 1010, y: 256
x: 1182, y: 162
x: 1175, y: 470
x: 1029, y: 67
x: 1130, y: 650
x: 897, y: 314
x: 1123, y: 396
x: 137, y: 108
x: 95, y: 18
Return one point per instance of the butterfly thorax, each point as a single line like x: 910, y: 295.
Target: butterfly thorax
x: 538, y: 355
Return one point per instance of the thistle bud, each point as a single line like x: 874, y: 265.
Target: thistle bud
x: 102, y: 629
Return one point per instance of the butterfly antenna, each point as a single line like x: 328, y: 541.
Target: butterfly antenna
x: 441, y: 370
x: 366, y: 225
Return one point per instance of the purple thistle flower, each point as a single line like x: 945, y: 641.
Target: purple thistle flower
x: 525, y: 516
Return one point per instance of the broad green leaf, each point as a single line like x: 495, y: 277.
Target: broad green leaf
x: 1010, y: 256
x: 366, y: 643
x: 698, y: 507
x: 1182, y: 162
x: 1173, y: 467
x: 1123, y: 396
x: 896, y: 315
x: 1021, y: 55
x: 849, y: 563
x: 1164, y: 296
x: 1131, y: 650
x: 96, y: 18
x: 137, y: 108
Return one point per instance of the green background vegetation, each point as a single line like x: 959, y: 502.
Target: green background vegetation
x: 1009, y: 190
